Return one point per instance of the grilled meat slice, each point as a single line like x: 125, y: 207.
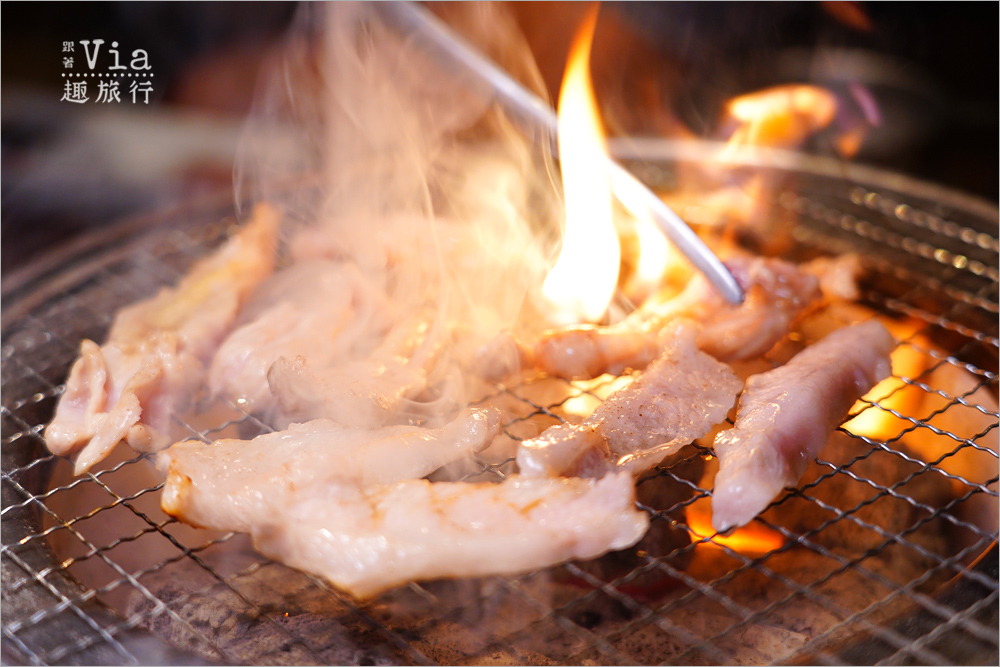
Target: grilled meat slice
x: 776, y: 293
x: 237, y: 484
x: 787, y: 415
x: 368, y: 540
x: 679, y: 398
x: 157, y: 350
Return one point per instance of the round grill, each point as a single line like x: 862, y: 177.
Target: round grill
x: 883, y: 554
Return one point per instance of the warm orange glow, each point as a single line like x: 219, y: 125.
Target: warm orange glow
x: 780, y: 117
x: 589, y: 394
x: 748, y: 540
x: 580, y: 285
x: 892, y: 393
x: 655, y: 257
x: 851, y: 14
x: 849, y: 143
x: 963, y: 420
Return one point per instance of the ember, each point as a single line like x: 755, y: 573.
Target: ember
x: 753, y: 539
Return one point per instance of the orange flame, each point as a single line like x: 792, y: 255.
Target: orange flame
x: 655, y: 256
x: 581, y: 284
x: 780, y: 117
x: 751, y: 539
x: 892, y: 393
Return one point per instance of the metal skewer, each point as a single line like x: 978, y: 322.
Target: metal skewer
x: 439, y: 40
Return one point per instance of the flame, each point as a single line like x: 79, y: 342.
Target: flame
x: 580, y: 285
x: 892, y: 393
x: 780, y: 117
x: 654, y: 257
x: 753, y: 538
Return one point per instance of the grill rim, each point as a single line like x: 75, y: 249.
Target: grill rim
x: 91, y: 251
x: 656, y: 150
x: 21, y: 290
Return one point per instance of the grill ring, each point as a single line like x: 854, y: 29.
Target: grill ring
x: 50, y: 617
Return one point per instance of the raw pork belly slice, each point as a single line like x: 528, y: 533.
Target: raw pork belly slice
x: 236, y: 484
x: 368, y: 540
x: 787, y: 415
x: 776, y: 293
x: 157, y: 351
x: 679, y: 398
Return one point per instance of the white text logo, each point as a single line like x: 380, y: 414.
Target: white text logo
x: 107, y: 74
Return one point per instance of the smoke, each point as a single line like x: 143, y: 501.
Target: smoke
x: 382, y: 159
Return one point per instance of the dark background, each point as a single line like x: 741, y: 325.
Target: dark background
x: 67, y: 169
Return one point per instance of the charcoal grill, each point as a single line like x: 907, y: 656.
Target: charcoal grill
x: 94, y: 573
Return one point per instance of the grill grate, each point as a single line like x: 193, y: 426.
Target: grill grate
x: 874, y: 543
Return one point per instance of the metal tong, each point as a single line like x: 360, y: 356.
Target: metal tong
x: 440, y: 41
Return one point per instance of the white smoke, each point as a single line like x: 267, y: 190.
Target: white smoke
x: 380, y: 156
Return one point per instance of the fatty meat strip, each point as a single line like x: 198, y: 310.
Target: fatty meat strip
x: 371, y: 539
x: 776, y: 292
x: 676, y: 400
x: 157, y: 351
x: 320, y: 339
x: 786, y: 416
x: 366, y: 392
x: 234, y: 485
x: 319, y: 308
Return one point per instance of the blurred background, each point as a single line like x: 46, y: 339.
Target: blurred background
x: 69, y: 168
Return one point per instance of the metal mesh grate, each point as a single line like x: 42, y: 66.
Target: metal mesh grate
x: 868, y: 560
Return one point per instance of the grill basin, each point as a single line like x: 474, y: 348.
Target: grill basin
x: 879, y: 555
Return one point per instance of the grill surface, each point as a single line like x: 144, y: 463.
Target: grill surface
x: 878, y: 556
